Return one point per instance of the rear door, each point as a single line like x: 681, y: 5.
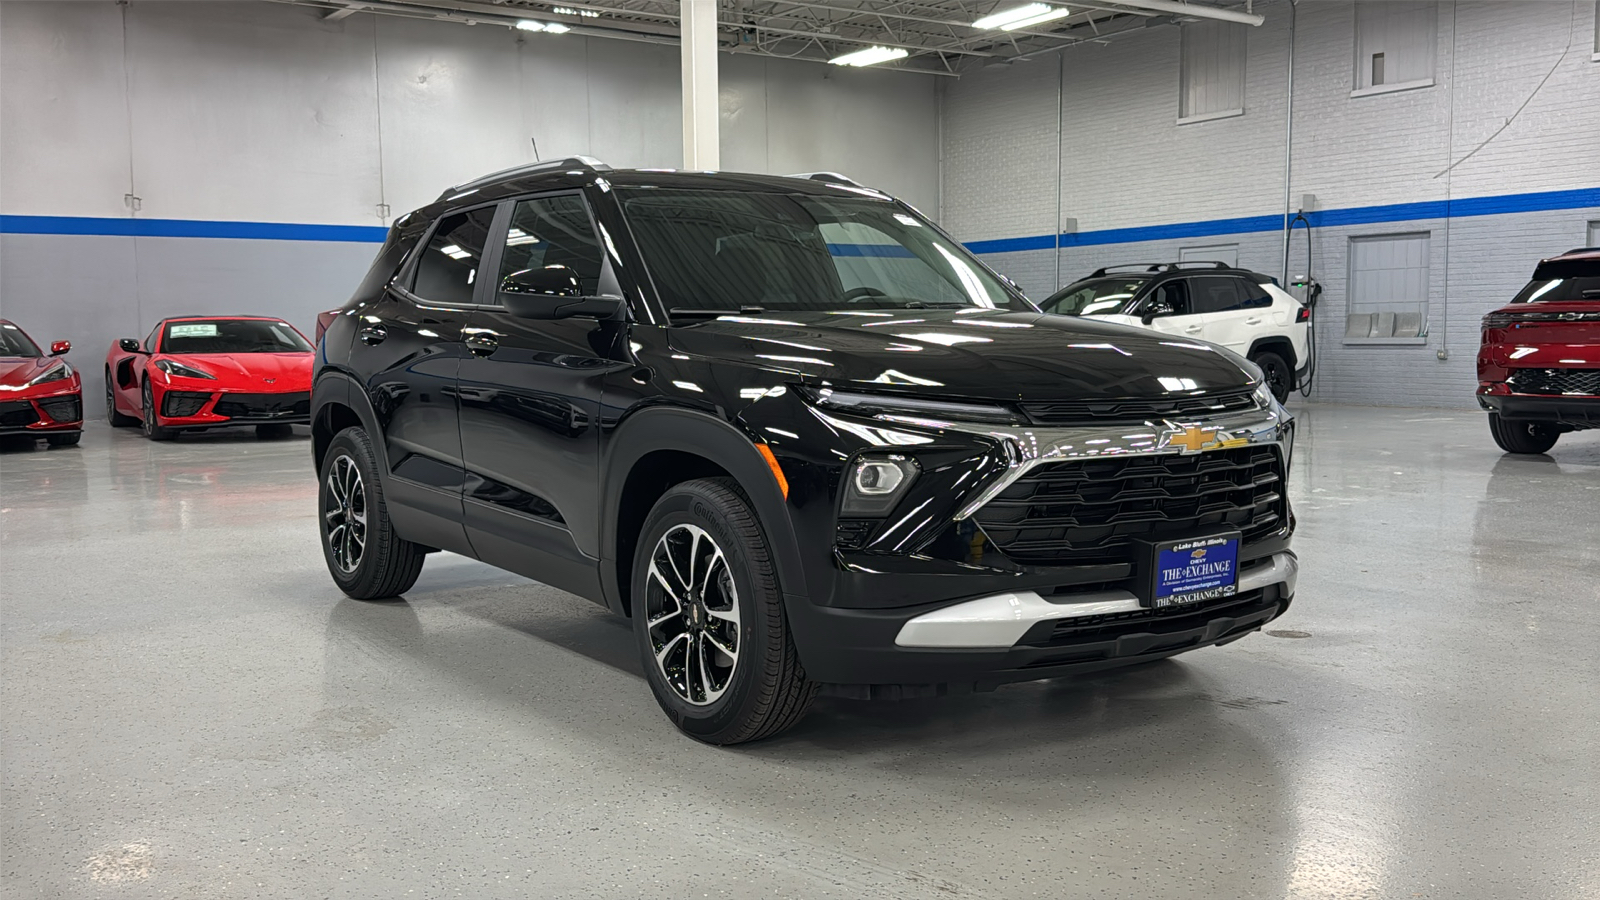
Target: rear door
x: 1237, y: 311
x: 408, y: 346
x: 530, y: 405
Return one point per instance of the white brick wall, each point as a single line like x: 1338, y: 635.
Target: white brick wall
x: 1126, y: 163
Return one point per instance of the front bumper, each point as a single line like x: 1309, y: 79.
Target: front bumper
x: 1576, y: 412
x: 220, y: 409
x: 58, y: 413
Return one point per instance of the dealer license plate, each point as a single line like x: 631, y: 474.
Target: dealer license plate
x: 1194, y: 570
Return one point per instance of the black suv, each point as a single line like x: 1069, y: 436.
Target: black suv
x: 796, y: 433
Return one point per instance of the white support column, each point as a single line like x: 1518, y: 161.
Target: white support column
x: 699, y: 49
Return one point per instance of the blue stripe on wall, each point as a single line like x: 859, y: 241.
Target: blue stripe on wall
x: 1359, y: 215
x: 191, y: 228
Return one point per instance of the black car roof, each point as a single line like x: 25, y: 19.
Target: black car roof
x: 575, y: 172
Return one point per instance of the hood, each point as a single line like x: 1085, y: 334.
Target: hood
x: 988, y: 354
x: 249, y: 371
x: 16, y: 371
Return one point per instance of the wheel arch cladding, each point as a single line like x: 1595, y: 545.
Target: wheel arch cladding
x: 1276, y: 344
x: 654, y: 450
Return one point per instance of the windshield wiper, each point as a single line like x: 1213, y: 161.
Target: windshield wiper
x: 679, y: 312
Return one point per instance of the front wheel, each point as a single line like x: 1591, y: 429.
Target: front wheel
x: 1276, y: 372
x: 366, y: 558
x: 274, y: 431
x: 708, y: 614
x: 1522, y: 436
x: 114, y: 418
x: 69, y: 439
x: 151, y: 430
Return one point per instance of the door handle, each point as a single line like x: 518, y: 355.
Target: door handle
x: 482, y: 344
x: 373, y: 333
x: 1193, y: 329
x: 1253, y: 320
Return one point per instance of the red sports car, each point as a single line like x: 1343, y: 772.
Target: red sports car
x: 1539, y: 364
x: 197, y: 372
x: 40, y: 396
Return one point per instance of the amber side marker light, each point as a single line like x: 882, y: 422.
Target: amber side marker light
x: 777, y: 470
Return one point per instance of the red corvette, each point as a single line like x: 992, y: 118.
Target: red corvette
x: 40, y: 396
x: 196, y: 372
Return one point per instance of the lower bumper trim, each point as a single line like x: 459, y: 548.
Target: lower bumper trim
x: 999, y: 621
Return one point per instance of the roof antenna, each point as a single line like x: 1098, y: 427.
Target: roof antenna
x: 535, y: 142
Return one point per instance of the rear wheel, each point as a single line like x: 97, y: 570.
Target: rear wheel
x: 1522, y: 436
x: 274, y: 431
x: 63, y: 440
x: 365, y: 556
x: 709, y: 618
x: 151, y: 430
x: 117, y: 420
x: 1276, y: 372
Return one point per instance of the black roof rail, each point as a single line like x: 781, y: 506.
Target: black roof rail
x: 830, y: 177
x: 569, y: 162
x: 1162, y: 267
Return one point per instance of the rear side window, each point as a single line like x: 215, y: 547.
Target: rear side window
x: 1253, y: 295
x: 448, y: 269
x: 1215, y: 293
x: 553, y: 231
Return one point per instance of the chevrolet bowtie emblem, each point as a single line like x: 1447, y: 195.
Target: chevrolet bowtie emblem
x: 1192, y: 439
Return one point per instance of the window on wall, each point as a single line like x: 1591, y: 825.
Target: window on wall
x: 1594, y: 235
x: 1388, y: 288
x: 1395, y: 42
x: 1212, y: 72
x: 1222, y: 253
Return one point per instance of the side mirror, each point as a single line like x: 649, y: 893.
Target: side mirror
x: 129, y: 345
x: 1156, y: 308
x: 59, y: 347
x: 553, y: 292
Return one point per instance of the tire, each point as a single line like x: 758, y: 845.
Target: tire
x: 116, y: 419
x: 64, y: 440
x: 270, y: 432
x: 367, y: 560
x: 1522, y: 436
x: 1280, y: 378
x: 686, y: 623
x: 148, y: 422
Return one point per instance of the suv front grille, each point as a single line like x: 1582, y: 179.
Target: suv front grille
x: 1555, y: 381
x: 264, y: 406
x: 183, y: 403
x: 17, y: 413
x: 1102, y: 412
x: 1090, y: 511
x: 62, y: 409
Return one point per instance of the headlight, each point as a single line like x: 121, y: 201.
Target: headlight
x: 876, y: 484
x: 1263, y: 396
x: 59, y: 372
x: 895, y: 405
x: 177, y: 368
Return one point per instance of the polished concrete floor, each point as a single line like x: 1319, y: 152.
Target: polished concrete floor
x: 191, y: 710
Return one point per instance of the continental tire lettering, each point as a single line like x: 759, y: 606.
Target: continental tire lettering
x: 713, y: 522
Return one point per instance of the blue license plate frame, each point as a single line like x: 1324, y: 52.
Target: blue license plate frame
x: 1192, y: 570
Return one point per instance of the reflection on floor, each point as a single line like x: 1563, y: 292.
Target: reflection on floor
x: 191, y: 709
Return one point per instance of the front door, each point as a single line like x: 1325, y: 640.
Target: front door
x: 411, y: 342
x: 530, y: 405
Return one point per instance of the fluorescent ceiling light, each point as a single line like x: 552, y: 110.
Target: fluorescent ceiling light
x: 1011, y: 16
x: 1194, y: 9
x: 870, y: 56
x: 1050, y: 15
x: 569, y: 11
x: 548, y: 27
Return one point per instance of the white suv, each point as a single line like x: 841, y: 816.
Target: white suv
x: 1242, y: 310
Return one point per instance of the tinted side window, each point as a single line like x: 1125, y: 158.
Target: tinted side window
x: 448, y: 269
x: 1216, y: 293
x: 1253, y: 295
x: 150, y: 339
x: 1176, y: 295
x: 553, y: 231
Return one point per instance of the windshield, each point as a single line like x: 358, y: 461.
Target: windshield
x: 14, y: 343
x: 1095, y: 297
x: 1546, y: 290
x: 723, y: 250
x: 232, y: 336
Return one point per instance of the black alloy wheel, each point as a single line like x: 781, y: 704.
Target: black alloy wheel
x: 708, y: 614
x: 367, y: 559
x: 152, y: 430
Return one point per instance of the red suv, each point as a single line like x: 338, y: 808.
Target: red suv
x: 1539, y: 366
